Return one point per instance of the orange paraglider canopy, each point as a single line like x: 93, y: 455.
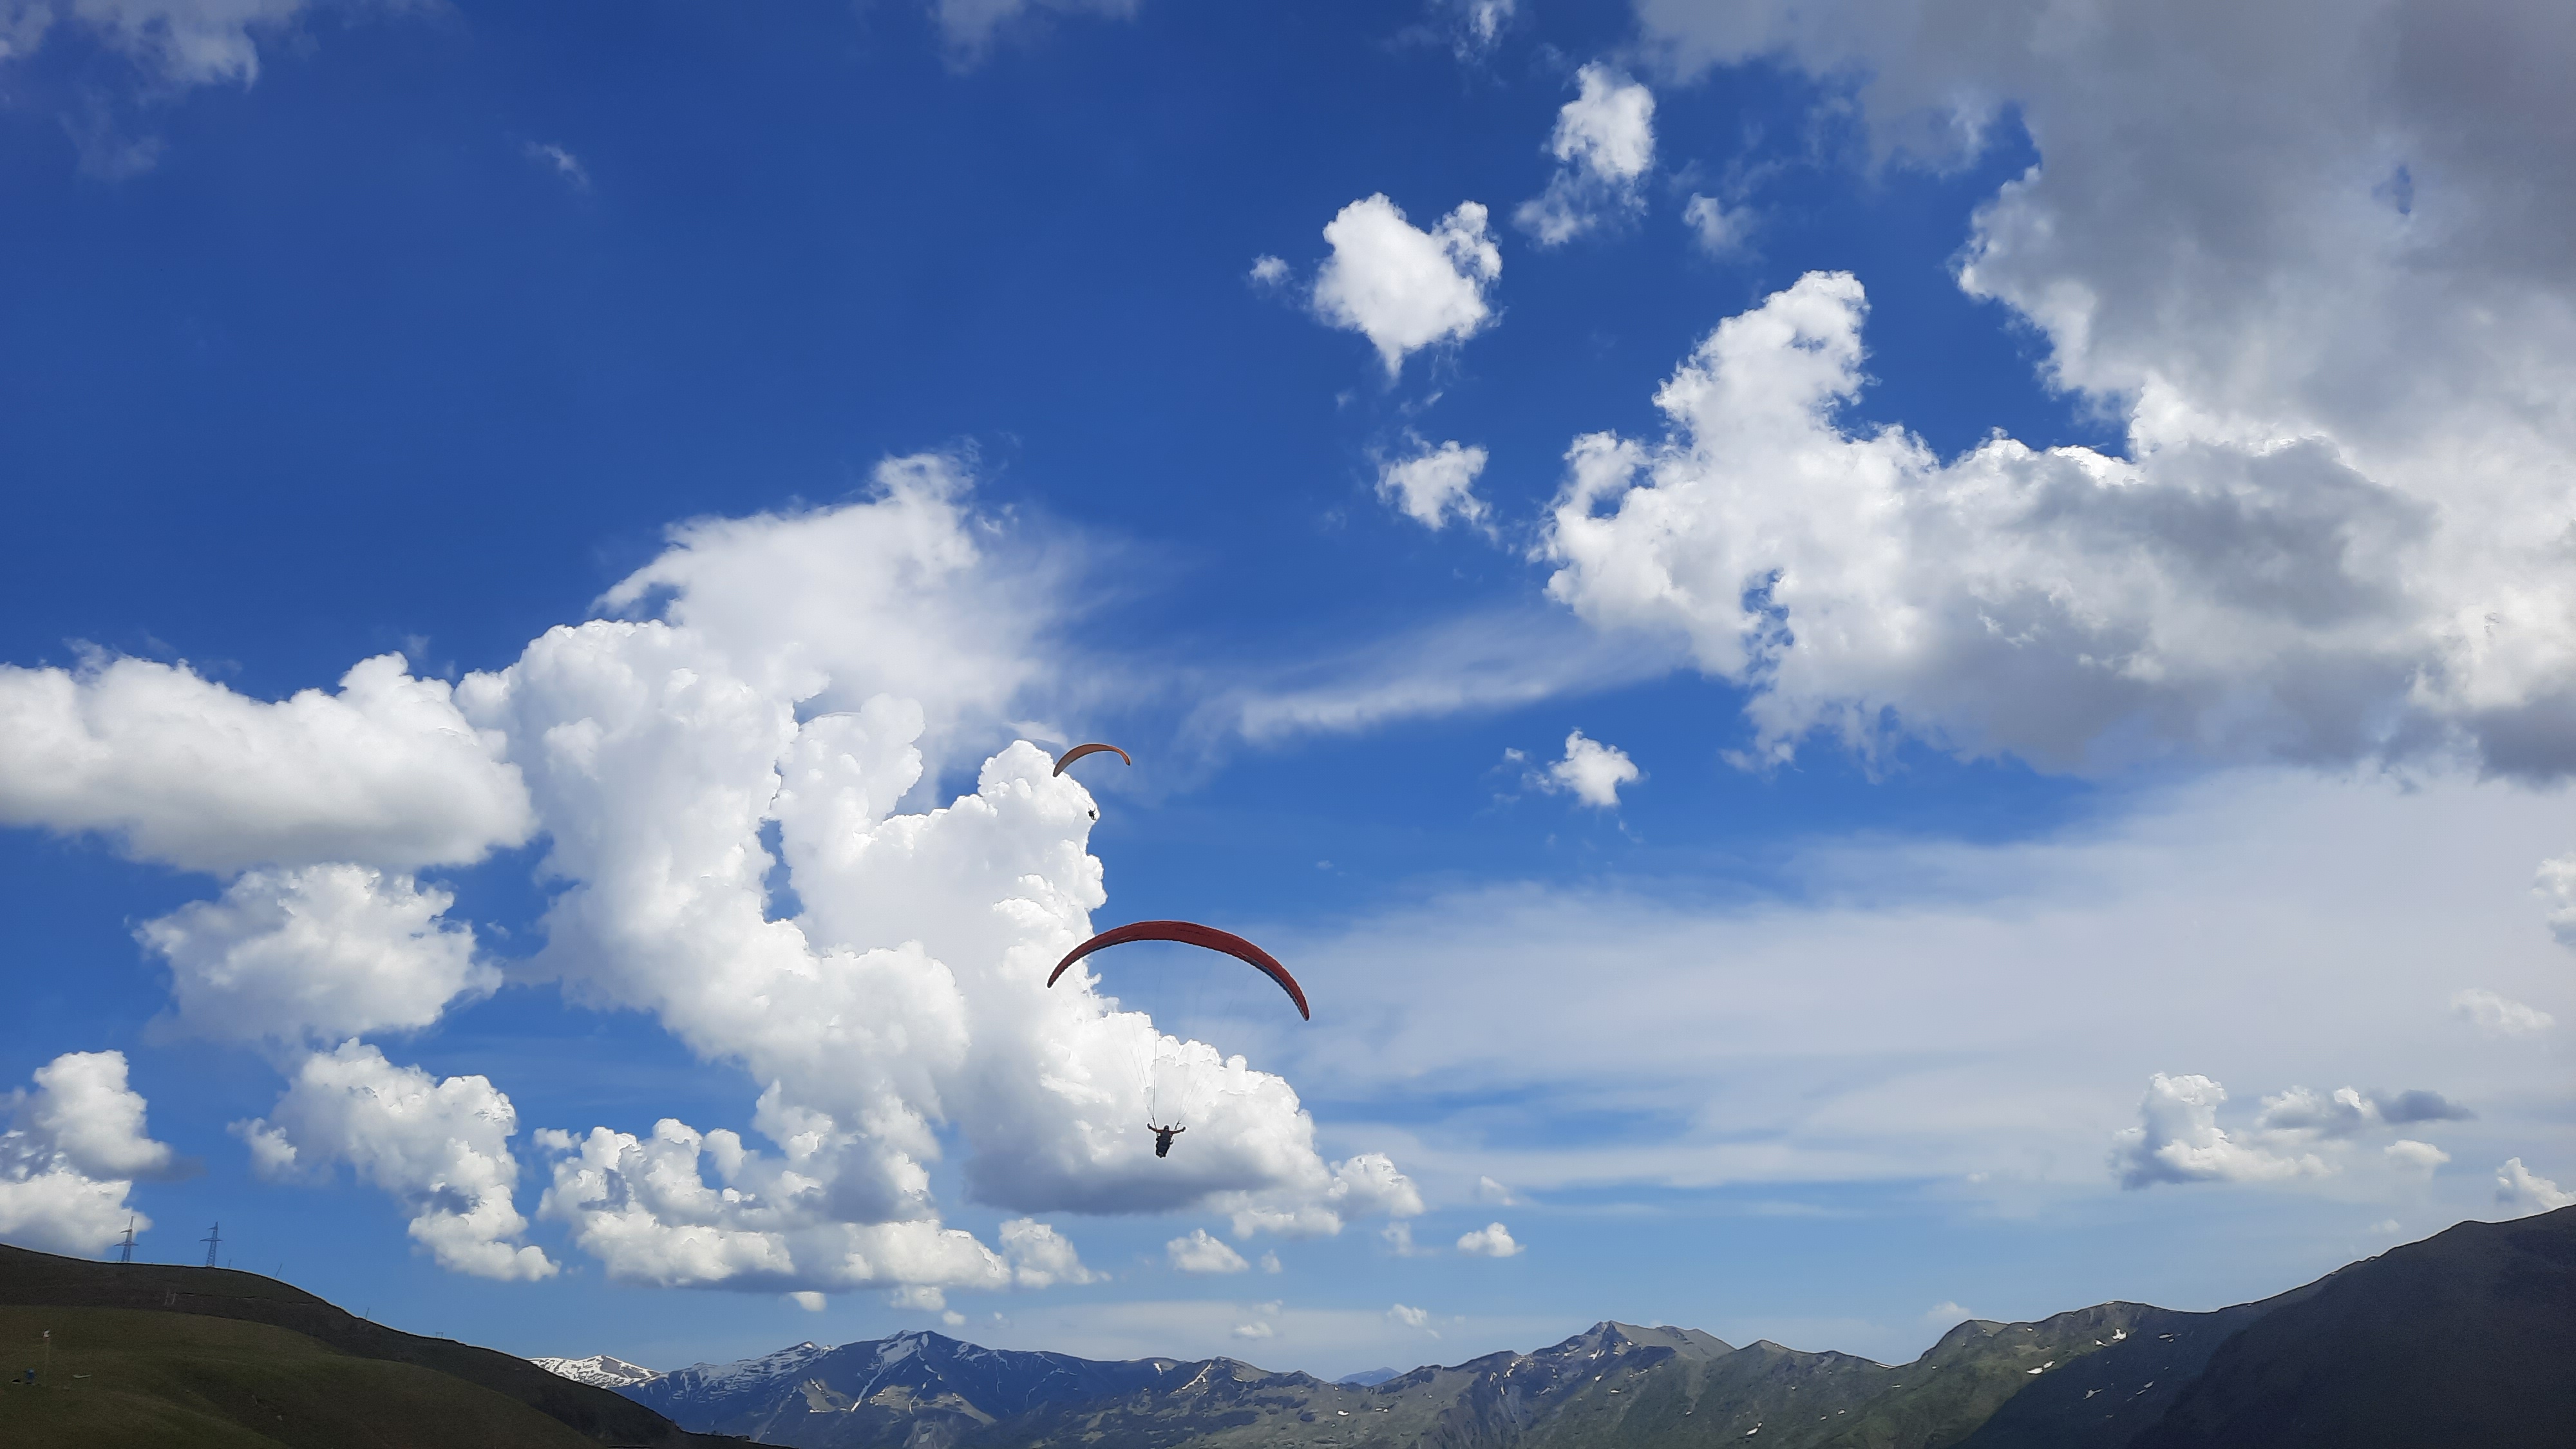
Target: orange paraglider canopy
x: 1190, y: 933
x: 1078, y: 751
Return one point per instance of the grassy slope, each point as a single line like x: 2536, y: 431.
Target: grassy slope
x: 127, y: 1378
x: 29, y: 1279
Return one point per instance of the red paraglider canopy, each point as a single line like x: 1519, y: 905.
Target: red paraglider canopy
x: 1190, y: 933
x: 1078, y: 751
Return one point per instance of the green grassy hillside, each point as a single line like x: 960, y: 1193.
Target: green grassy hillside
x: 359, y: 1352
x: 127, y: 1378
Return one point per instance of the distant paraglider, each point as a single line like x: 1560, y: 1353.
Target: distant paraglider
x: 1190, y: 933
x: 1078, y: 751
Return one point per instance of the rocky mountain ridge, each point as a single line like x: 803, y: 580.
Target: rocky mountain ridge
x: 2350, y: 1360
x: 918, y: 1390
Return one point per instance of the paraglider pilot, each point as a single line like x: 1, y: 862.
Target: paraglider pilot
x: 1163, y: 1138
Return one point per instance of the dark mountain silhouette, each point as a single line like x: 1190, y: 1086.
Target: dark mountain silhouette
x: 2468, y: 1337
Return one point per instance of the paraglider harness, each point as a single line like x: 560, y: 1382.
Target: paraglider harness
x: 1163, y: 1138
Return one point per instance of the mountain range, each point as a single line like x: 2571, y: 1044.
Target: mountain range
x: 2466, y: 1338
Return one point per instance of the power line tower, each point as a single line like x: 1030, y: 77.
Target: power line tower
x: 125, y: 1250
x: 214, y: 1239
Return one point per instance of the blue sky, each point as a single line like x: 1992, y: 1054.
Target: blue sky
x: 2048, y: 540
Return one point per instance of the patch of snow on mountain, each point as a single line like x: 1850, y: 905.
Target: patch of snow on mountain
x: 599, y: 1370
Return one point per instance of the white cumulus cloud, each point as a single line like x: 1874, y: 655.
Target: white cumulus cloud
x: 440, y: 1148
x: 1590, y: 771
x: 73, y: 1149
x: 768, y: 704
x: 1430, y: 484
x: 683, y: 1208
x: 1041, y: 1257
x: 1319, y: 1205
x: 2066, y: 605
x: 1493, y: 1240
x: 184, y: 771
x: 2178, y: 1140
x: 807, y: 671
x: 908, y: 594
x: 318, y: 952
x: 2299, y: 1133
x: 2333, y: 333
x: 1604, y: 145
x: 1404, y: 288
x: 2524, y: 1192
x: 1200, y: 1253
x: 1409, y: 1317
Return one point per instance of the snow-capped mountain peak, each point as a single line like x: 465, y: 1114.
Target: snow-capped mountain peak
x: 598, y: 1369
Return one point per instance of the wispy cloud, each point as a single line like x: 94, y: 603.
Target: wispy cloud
x: 1478, y: 662
x: 562, y: 162
x: 1895, y: 1012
